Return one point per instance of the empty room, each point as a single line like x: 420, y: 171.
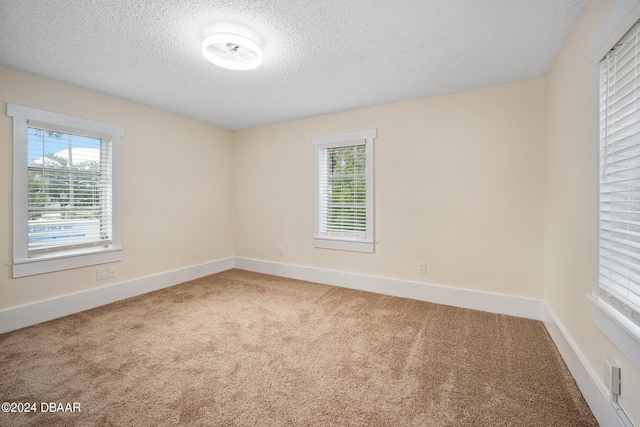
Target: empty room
x: 320, y: 213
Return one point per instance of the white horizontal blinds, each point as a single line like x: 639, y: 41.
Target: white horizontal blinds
x: 343, y: 191
x: 69, y: 191
x: 620, y: 176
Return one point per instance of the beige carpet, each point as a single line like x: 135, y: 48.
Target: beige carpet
x: 246, y: 349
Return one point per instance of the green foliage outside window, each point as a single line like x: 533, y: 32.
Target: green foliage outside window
x: 347, y: 183
x: 57, y: 189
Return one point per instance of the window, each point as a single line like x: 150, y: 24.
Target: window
x: 616, y: 293
x: 66, y: 201
x: 620, y: 177
x: 344, y: 191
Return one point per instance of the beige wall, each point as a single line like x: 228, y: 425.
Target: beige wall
x: 458, y: 184
x: 569, y: 198
x: 176, y: 195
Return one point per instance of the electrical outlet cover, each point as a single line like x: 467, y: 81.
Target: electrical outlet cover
x: 612, y: 377
x: 422, y: 267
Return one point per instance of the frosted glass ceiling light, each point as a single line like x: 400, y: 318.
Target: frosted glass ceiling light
x: 232, y: 51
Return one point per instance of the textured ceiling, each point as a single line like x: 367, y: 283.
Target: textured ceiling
x: 320, y: 56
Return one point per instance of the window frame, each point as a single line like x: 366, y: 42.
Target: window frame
x: 72, y: 258
x: 346, y: 243
x: 621, y: 331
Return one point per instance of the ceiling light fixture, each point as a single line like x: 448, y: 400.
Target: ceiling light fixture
x: 232, y: 51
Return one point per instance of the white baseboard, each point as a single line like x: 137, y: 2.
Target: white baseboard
x: 594, y: 391
x: 485, y: 301
x: 42, y: 311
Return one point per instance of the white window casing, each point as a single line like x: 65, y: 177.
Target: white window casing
x: 344, y: 195
x: 66, y: 191
x: 616, y: 288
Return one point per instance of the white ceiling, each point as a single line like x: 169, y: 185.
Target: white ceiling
x: 320, y: 56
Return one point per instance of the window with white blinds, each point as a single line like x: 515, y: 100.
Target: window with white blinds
x: 66, y: 191
x: 69, y: 191
x: 619, y: 235
x: 344, y: 191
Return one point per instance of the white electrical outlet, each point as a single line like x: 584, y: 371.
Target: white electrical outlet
x: 422, y: 267
x: 612, y: 377
x: 101, y: 273
x: 281, y: 251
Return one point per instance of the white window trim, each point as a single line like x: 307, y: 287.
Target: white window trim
x: 344, y: 243
x: 22, y: 265
x: 622, y: 332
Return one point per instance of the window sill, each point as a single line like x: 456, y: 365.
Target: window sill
x: 66, y: 261
x: 343, y: 244
x: 622, y: 332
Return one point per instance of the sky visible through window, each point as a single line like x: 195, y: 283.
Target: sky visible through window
x: 57, y: 144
